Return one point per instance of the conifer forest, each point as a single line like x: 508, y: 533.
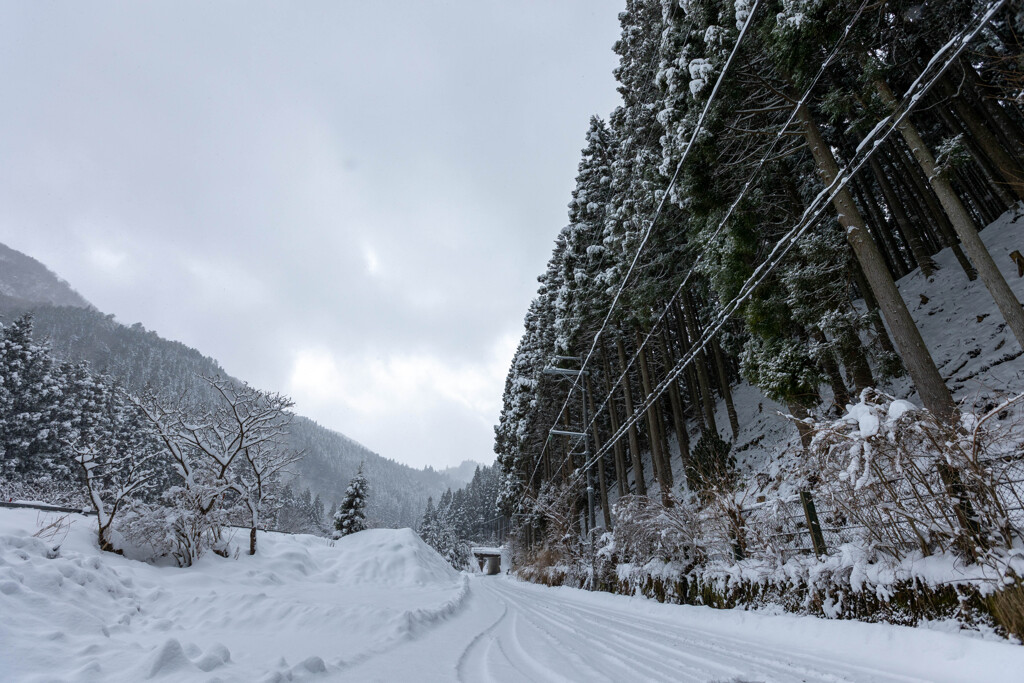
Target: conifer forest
x: 713, y: 378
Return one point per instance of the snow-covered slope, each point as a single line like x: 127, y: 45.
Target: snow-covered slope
x: 972, y: 347
x: 137, y: 357
x: 302, y: 605
x: 463, y: 472
x: 22, y: 277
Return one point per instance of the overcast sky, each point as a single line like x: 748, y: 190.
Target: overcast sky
x: 345, y: 201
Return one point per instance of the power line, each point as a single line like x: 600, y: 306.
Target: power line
x: 657, y: 213
x: 749, y: 183
x: 821, y: 201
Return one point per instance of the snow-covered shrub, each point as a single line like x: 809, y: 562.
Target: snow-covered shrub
x: 710, y: 466
x: 145, y: 532
x: 903, y: 480
x: 184, y: 527
x: 769, y: 531
x: 646, y: 529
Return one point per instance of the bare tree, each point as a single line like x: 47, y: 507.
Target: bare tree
x: 256, y: 481
x: 235, y: 447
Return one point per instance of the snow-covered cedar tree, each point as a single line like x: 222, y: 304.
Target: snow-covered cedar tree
x: 30, y: 389
x: 301, y: 513
x: 440, y: 529
x: 351, y: 515
x: 425, y: 528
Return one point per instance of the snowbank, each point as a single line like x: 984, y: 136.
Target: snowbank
x: 391, y: 557
x: 303, y: 605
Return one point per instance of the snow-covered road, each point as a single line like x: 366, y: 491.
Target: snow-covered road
x: 513, y: 631
x: 382, y: 606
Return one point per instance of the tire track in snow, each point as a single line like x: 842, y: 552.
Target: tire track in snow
x: 647, y: 658
x: 473, y: 660
x: 646, y: 628
x: 595, y: 643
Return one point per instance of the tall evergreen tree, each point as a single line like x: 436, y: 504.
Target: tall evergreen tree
x: 351, y: 515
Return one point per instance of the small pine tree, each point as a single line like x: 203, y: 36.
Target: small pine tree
x: 351, y: 515
x: 426, y: 528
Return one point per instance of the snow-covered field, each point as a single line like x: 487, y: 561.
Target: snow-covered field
x: 380, y: 605
x: 298, y: 608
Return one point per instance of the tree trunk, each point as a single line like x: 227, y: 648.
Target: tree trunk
x: 881, y: 334
x: 931, y: 207
x: 804, y: 429
x: 856, y: 362
x: 897, y: 258
x: 990, y: 207
x: 997, y: 120
x: 639, y: 484
x: 678, y: 420
x: 701, y: 365
x: 933, y: 391
x: 911, y: 236
x: 658, y: 459
x: 835, y: 377
x: 546, y: 459
x: 602, y: 484
x: 691, y: 374
x: 1008, y: 188
x: 976, y: 250
x: 567, y: 458
x: 723, y: 382
x: 613, y: 417
x: 666, y: 452
x: 252, y: 541
x: 1005, y: 165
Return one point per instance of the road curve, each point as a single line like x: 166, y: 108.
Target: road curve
x: 552, y: 637
x: 509, y: 631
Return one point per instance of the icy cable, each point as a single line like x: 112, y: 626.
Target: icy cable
x: 913, y: 95
x: 749, y: 183
x: 657, y: 213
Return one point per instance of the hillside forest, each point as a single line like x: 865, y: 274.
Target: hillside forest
x: 743, y: 362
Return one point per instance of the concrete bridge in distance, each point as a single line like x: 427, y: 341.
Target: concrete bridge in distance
x: 488, y: 559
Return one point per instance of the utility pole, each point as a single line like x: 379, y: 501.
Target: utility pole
x: 579, y: 435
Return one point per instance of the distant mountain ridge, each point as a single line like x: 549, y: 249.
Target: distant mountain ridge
x: 139, y: 357
x: 463, y: 472
x: 23, y: 277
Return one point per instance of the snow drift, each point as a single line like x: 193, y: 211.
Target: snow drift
x: 391, y: 557
x: 303, y: 605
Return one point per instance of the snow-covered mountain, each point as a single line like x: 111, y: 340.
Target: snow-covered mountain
x: 463, y: 472
x: 23, y: 277
x: 138, y: 357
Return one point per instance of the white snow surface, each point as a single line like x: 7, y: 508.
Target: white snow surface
x: 381, y: 606
x: 865, y: 418
x: 303, y: 604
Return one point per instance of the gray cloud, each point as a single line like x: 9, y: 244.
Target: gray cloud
x: 347, y: 201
